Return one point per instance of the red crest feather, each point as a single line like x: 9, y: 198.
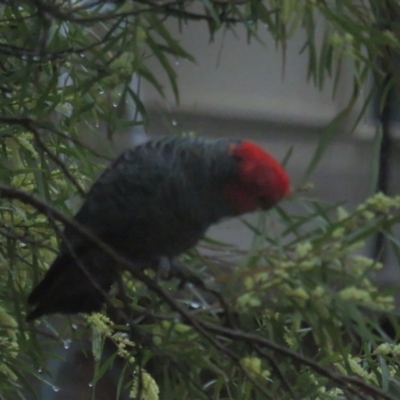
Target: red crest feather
x: 261, y: 182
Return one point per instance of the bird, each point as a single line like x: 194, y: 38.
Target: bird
x: 155, y: 201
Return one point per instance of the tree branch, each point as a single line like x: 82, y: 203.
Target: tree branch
x: 203, y: 327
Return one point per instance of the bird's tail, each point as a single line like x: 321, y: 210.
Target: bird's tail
x: 73, y: 285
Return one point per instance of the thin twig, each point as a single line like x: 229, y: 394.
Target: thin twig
x: 341, y: 379
x: 23, y: 120
x: 172, y: 9
x: 55, y: 159
x: 278, y: 372
x: 11, y: 234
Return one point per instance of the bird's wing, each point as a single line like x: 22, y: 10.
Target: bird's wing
x: 121, y: 196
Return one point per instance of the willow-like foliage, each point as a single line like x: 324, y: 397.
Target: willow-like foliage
x: 297, y: 317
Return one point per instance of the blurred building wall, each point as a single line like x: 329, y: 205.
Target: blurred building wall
x: 243, y: 89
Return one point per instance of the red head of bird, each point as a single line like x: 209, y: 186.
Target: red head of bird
x: 261, y: 181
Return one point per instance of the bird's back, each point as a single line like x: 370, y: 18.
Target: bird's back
x: 159, y: 198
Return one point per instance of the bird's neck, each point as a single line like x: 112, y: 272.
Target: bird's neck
x: 240, y: 199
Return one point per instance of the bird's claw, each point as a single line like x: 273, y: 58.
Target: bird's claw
x: 167, y: 269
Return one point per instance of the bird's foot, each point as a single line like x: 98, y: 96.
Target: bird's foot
x: 167, y: 268
x: 162, y: 268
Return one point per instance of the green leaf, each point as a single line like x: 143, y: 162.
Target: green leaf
x: 325, y: 139
x: 165, y: 64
